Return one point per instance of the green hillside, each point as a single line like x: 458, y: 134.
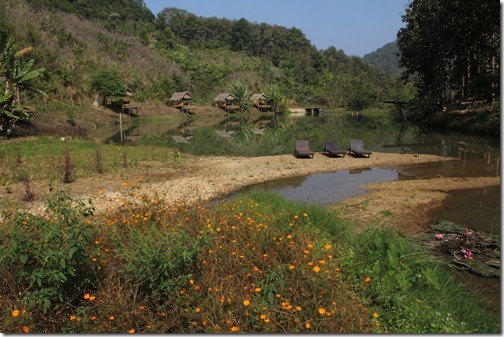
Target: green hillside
x: 386, y: 58
x: 75, y: 41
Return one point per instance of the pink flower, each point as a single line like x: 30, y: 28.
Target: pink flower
x: 467, y: 253
x: 467, y: 232
x: 439, y: 236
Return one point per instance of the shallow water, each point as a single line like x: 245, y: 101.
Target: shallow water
x: 478, y: 157
x: 326, y: 188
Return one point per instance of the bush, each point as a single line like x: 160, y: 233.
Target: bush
x: 46, y: 259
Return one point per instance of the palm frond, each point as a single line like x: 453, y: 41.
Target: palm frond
x: 23, y: 51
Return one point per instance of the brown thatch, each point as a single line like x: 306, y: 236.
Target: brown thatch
x: 257, y: 97
x: 224, y: 97
x: 180, y: 96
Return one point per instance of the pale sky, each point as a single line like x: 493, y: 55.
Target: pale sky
x: 357, y: 27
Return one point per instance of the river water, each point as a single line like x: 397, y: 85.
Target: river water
x: 478, y: 208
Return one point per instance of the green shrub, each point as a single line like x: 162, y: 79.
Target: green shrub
x: 47, y: 258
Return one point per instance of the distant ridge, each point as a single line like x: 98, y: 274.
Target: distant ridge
x: 385, y: 58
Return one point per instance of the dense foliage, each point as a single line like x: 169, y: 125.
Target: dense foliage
x: 386, y: 58
x: 16, y: 73
x: 252, y: 264
x: 179, y: 51
x: 452, y: 48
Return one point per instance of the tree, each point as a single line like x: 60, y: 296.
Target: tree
x: 241, y: 36
x: 15, y: 75
x: 241, y: 93
x: 108, y: 83
x: 447, y: 45
x: 276, y: 98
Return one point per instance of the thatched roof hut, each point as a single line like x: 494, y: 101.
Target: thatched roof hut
x: 227, y: 102
x: 225, y: 97
x: 260, y: 101
x: 180, y: 96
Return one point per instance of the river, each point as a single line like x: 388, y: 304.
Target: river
x: 478, y: 156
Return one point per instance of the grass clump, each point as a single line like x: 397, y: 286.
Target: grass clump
x: 254, y: 263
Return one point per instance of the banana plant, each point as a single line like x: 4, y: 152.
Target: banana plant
x: 15, y: 74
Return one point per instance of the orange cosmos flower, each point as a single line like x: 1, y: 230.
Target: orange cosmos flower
x: 15, y: 313
x: 246, y: 303
x: 367, y: 280
x: 316, y: 269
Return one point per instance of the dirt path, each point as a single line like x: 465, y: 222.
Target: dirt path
x: 402, y: 204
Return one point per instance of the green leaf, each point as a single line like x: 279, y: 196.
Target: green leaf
x: 23, y: 258
x: 432, y: 278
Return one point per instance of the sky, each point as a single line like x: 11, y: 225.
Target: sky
x: 357, y: 27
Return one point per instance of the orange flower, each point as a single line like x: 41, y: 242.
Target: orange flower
x: 197, y: 309
x: 235, y: 329
x: 308, y: 325
x: 131, y: 330
x: 111, y: 318
x: 316, y: 269
x: 86, y: 296
x: 291, y: 267
x: 15, y: 313
x: 72, y: 317
x: 321, y: 311
x: 327, y: 246
x: 257, y: 290
x: 25, y: 329
x: 246, y: 303
x: 375, y: 315
x: 92, y: 298
x: 367, y: 280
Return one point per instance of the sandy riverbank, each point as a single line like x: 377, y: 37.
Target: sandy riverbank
x: 205, y: 178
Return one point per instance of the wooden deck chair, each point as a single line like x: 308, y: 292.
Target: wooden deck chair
x: 332, y: 149
x: 302, y: 149
x: 357, y: 149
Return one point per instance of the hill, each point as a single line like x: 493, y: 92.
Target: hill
x: 179, y: 51
x: 385, y: 58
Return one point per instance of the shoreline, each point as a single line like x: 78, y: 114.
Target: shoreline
x: 203, y: 178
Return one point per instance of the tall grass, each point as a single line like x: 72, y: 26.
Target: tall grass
x: 255, y: 263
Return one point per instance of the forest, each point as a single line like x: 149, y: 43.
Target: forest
x: 447, y: 52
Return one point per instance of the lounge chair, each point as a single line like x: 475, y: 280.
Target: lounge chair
x: 331, y: 148
x: 357, y: 148
x: 303, y: 149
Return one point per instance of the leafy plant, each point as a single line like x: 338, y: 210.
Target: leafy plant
x: 108, y: 83
x: 15, y: 73
x: 48, y: 257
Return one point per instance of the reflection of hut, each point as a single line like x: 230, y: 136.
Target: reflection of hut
x: 260, y: 101
x: 226, y: 102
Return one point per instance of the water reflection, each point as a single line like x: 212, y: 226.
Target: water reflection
x: 326, y: 188
x: 477, y: 208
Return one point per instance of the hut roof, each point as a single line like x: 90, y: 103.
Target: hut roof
x: 258, y: 96
x: 223, y: 97
x: 178, y: 96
